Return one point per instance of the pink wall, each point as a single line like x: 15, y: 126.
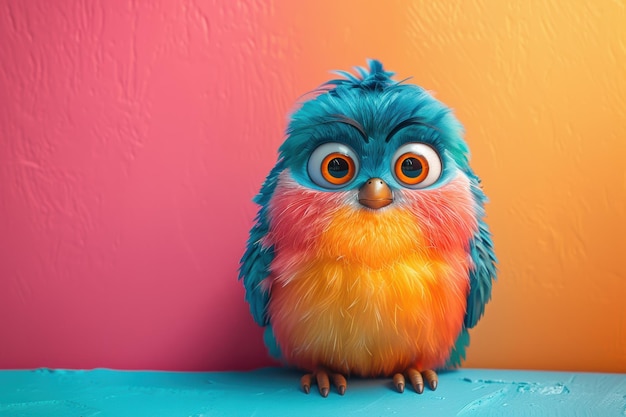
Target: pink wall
x: 133, y: 139
x: 134, y: 134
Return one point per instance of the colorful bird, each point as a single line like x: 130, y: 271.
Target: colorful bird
x: 369, y: 256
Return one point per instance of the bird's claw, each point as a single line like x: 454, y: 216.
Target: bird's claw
x: 417, y: 379
x: 322, y: 377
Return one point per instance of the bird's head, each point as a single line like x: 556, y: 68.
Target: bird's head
x: 372, y: 136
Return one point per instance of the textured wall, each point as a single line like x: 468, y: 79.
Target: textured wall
x: 133, y: 136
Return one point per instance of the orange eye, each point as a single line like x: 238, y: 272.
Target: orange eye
x: 416, y: 165
x: 333, y: 165
x: 411, y: 168
x: 337, y: 168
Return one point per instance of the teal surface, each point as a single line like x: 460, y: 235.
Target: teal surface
x: 275, y: 392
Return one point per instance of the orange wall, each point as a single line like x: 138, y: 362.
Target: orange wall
x: 133, y: 136
x: 541, y: 89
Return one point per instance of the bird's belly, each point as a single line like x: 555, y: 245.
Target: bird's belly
x: 358, y: 320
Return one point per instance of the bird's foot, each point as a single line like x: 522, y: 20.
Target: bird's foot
x: 323, y: 377
x: 416, y: 378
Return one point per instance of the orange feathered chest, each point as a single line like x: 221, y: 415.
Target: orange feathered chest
x: 366, y: 292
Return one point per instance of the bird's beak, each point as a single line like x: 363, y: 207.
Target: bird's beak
x: 375, y: 194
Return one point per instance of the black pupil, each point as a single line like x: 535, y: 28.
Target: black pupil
x: 338, y: 167
x: 412, y: 167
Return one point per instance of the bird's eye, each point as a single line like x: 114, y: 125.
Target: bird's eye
x: 416, y: 165
x: 332, y: 165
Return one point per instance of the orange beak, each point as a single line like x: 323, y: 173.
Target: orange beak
x: 375, y: 194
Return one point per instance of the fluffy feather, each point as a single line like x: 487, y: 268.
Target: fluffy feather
x: 361, y: 291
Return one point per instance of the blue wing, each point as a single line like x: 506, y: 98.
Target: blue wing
x: 483, y: 272
x: 257, y: 259
x: 481, y: 276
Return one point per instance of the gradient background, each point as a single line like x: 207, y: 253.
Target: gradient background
x: 134, y: 134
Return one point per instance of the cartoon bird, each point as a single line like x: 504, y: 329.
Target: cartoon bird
x: 369, y: 256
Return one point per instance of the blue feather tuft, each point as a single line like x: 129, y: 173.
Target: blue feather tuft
x: 376, y: 79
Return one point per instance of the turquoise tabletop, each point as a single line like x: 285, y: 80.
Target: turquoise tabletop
x: 276, y: 392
